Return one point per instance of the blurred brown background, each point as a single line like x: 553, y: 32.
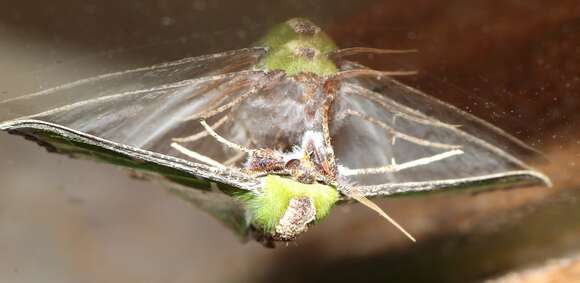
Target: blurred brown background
x: 514, y: 63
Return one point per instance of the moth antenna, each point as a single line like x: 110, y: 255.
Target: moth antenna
x: 361, y: 50
x: 368, y: 72
x: 368, y: 203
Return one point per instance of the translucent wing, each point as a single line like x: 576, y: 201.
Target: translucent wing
x: 416, y: 143
x: 130, y: 117
x: 416, y: 101
x: 140, y: 79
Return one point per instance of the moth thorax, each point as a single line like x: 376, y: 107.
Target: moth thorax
x: 300, y: 212
x: 303, y: 26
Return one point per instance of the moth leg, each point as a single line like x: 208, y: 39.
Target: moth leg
x: 329, y: 161
x: 267, y: 160
x: 398, y: 167
x: 197, y: 156
x: 224, y: 140
x: 203, y: 133
x: 398, y: 134
x: 208, y: 160
x: 205, y: 159
x: 270, y: 79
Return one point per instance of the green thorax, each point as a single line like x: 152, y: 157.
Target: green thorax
x: 298, y: 46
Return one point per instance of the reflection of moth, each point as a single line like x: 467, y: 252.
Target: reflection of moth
x: 271, y: 137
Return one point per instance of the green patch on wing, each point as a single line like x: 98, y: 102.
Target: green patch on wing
x: 268, y: 207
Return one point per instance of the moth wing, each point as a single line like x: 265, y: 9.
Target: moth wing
x: 426, y: 144
x: 417, y: 101
x: 127, y: 81
x: 134, y: 114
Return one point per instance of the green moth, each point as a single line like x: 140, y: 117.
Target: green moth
x: 269, y: 138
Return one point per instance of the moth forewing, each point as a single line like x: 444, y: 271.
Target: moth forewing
x: 408, y: 99
x: 138, y: 81
x: 128, y: 118
x: 60, y: 139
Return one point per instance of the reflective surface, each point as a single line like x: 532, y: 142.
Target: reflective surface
x: 514, y: 64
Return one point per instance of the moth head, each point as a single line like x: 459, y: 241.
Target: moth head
x: 300, y: 212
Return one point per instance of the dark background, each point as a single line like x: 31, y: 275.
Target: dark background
x: 513, y: 63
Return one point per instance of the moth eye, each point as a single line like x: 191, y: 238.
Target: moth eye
x: 292, y: 164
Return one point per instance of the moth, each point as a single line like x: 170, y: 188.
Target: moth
x: 269, y: 138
